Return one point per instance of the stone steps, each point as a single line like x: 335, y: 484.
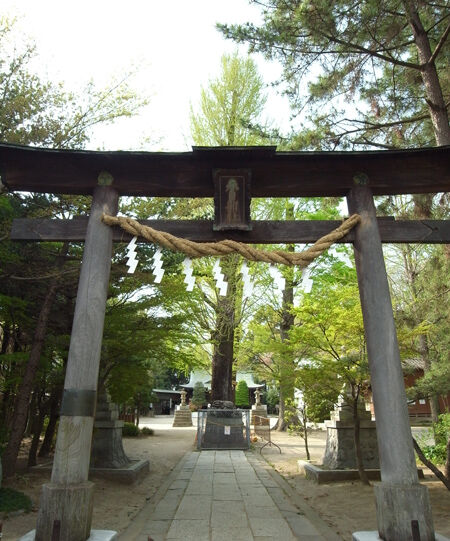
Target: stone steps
x: 182, y: 418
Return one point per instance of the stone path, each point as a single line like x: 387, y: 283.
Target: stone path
x: 226, y: 495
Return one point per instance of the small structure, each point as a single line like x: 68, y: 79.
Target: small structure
x: 167, y: 400
x: 183, y: 415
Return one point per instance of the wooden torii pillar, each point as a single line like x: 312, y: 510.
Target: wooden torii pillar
x: 68, y: 498
x: 400, y: 499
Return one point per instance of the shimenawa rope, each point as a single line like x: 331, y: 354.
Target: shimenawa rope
x: 201, y: 249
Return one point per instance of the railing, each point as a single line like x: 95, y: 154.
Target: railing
x: 262, y: 429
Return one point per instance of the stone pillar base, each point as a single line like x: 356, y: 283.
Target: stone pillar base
x: 71, y: 505
x: 397, y: 506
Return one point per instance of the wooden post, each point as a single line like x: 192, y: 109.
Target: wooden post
x: 400, y: 498
x: 68, y: 497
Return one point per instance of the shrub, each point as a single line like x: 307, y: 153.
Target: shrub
x: 146, y: 431
x: 198, y: 395
x: 12, y: 500
x: 272, y: 399
x: 241, y: 397
x: 437, y: 453
x: 130, y: 430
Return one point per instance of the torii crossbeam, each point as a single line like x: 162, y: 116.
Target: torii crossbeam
x: 356, y: 175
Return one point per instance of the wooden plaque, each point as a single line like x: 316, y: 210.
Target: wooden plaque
x: 232, y: 199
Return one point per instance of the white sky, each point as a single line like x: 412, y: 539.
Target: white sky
x: 173, y: 43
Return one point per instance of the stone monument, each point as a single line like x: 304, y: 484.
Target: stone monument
x: 258, y: 409
x: 340, y: 445
x: 183, y: 415
x: 108, y: 458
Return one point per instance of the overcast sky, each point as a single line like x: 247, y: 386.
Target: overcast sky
x: 173, y: 44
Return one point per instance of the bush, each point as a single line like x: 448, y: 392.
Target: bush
x: 12, y: 500
x: 130, y: 430
x: 146, y: 431
x: 241, y: 397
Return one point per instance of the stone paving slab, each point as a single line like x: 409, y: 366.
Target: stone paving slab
x: 223, y: 496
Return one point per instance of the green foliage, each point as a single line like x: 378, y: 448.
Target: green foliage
x: 130, y: 430
x: 241, y: 396
x: 147, y: 431
x: 437, y: 453
x: 198, y: 395
x: 13, y: 500
x: 35, y: 111
x: 230, y: 106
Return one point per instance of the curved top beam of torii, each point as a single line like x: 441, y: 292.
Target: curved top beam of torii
x: 189, y: 174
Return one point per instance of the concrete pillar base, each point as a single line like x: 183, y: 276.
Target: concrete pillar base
x: 397, y: 506
x: 71, y: 505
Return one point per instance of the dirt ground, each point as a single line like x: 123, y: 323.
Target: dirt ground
x: 349, y: 506
x: 346, y: 507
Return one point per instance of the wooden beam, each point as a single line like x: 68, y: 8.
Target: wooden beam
x: 263, y: 232
x: 190, y: 174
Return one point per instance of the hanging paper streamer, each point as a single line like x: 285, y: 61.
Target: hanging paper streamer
x: 158, y: 271
x: 307, y: 283
x: 189, y: 279
x: 219, y: 278
x: 131, y: 255
x: 247, y: 284
x: 277, y: 277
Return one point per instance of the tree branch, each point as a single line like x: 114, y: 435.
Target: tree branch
x: 430, y: 465
x: 439, y: 45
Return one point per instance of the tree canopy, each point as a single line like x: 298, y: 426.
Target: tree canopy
x: 387, y: 58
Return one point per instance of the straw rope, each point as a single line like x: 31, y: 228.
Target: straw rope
x: 224, y: 247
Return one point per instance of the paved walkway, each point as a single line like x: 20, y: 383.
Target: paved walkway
x: 223, y: 496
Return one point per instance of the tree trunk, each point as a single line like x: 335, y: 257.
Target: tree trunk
x: 38, y: 425
x: 287, y: 322
x: 433, y: 90
x: 447, y: 462
x: 20, y: 414
x: 281, y: 425
x: 305, y: 429
x: 223, y: 336
x: 55, y: 400
x: 356, y: 434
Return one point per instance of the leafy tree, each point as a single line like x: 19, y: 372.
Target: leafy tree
x: 241, y: 397
x: 38, y: 112
x: 331, y: 327
x: 198, y: 395
x: 389, y: 57
x: 229, y: 107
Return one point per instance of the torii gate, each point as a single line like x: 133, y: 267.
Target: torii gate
x: 107, y: 175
